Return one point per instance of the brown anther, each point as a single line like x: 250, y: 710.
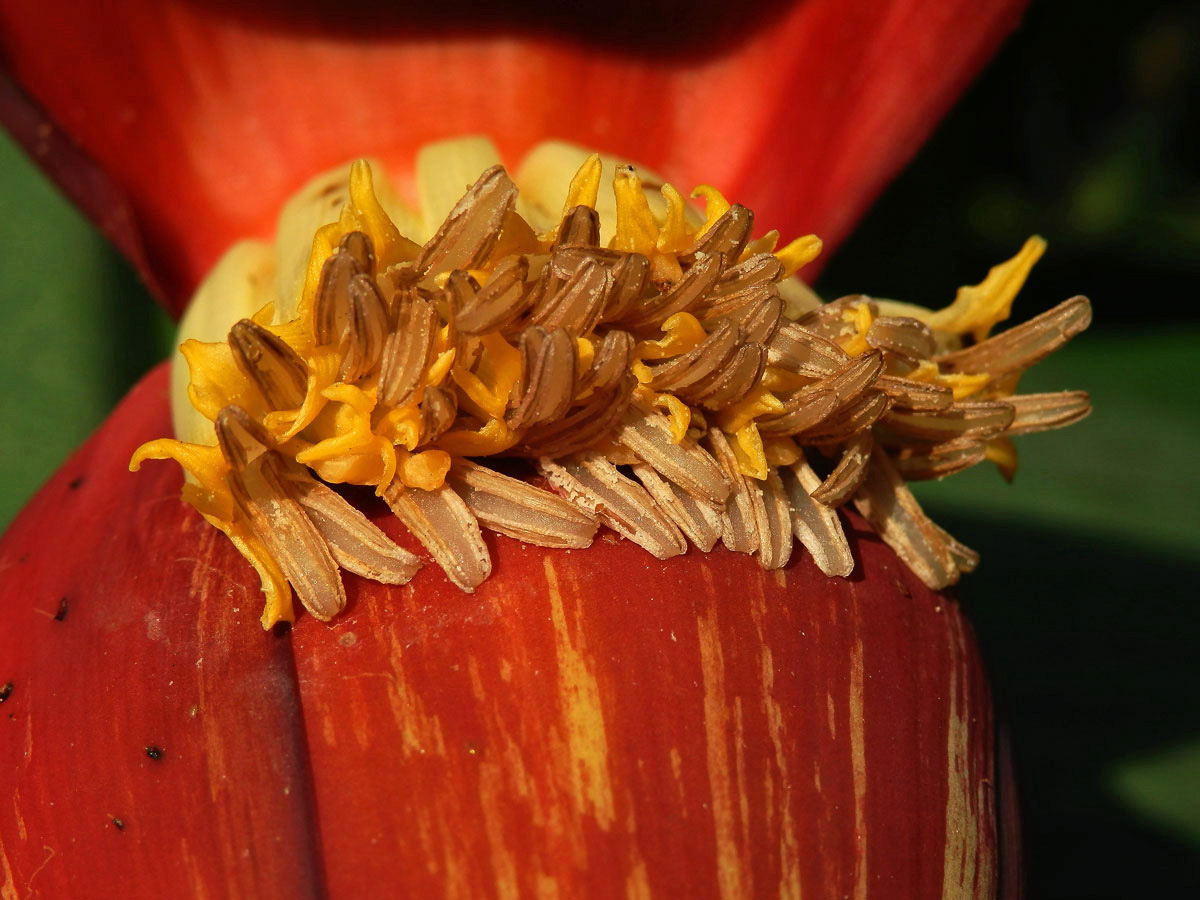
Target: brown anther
x: 332, y: 307
x: 439, y: 407
x: 915, y: 395
x: 684, y: 463
x: 921, y: 462
x: 359, y: 246
x: 759, y: 318
x: 582, y: 427
x: 470, y: 231
x: 1025, y: 344
x: 441, y: 521
x: 499, y: 302
x: 691, y: 289
x: 594, y: 483
x: 756, y: 272
x: 576, y: 305
x: 275, y: 368
x: 547, y: 382
x: 367, y: 329
x: 815, y: 525
x: 1039, y: 412
x: 241, y: 439
x: 849, y: 473
x: 520, y: 510
x: 903, y: 336
x: 611, y: 361
x: 408, y: 351
x: 849, y: 420
x: 629, y: 275
x: 976, y: 420
x: 798, y: 350
x: 732, y: 381
x: 580, y: 226
x: 727, y: 237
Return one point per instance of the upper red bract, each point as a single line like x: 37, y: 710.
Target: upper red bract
x: 206, y: 117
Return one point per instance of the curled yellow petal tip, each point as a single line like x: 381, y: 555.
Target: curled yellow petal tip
x: 715, y: 205
x: 585, y: 186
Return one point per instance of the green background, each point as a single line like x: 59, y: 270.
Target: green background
x: 1086, y: 600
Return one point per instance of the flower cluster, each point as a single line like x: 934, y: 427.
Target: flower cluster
x: 674, y: 383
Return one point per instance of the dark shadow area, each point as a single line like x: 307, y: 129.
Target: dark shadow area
x: 1091, y: 649
x: 666, y: 29
x: 1082, y: 129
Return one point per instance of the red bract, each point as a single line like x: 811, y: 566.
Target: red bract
x: 207, y: 117
x: 598, y: 721
x: 595, y: 723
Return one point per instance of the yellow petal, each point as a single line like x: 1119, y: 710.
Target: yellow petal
x: 781, y: 451
x: 322, y: 373
x: 210, y: 493
x: 365, y: 213
x: 494, y: 437
x: 683, y: 333
x: 764, y: 244
x: 798, y: 253
x: 402, y: 426
x: 585, y: 353
x: 216, y: 382
x: 964, y: 385
x: 425, y: 470
x: 977, y: 308
x: 276, y: 590
x: 715, y: 206
x: 679, y: 414
x: 440, y: 367
x: 748, y: 448
x: 758, y: 402
x: 860, y: 317
x: 674, y: 236
x: 487, y: 388
x: 585, y: 186
x: 637, y: 232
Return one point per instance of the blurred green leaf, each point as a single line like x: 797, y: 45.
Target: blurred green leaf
x: 1164, y: 788
x: 78, y: 327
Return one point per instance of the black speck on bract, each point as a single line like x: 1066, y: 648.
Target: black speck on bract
x: 5, y: 690
x: 62, y: 610
x: 118, y: 823
x: 154, y: 752
x: 75, y: 483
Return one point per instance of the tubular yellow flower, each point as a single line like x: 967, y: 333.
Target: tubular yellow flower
x: 674, y: 385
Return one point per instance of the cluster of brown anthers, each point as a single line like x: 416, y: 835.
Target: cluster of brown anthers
x: 655, y: 385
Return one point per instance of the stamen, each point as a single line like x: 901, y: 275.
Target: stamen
x: 366, y: 331
x: 512, y: 507
x: 467, y: 236
x: 274, y: 367
x: 815, y: 525
x: 442, y: 522
x: 624, y: 506
x: 667, y: 352
x: 332, y: 316
x: 408, y: 351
